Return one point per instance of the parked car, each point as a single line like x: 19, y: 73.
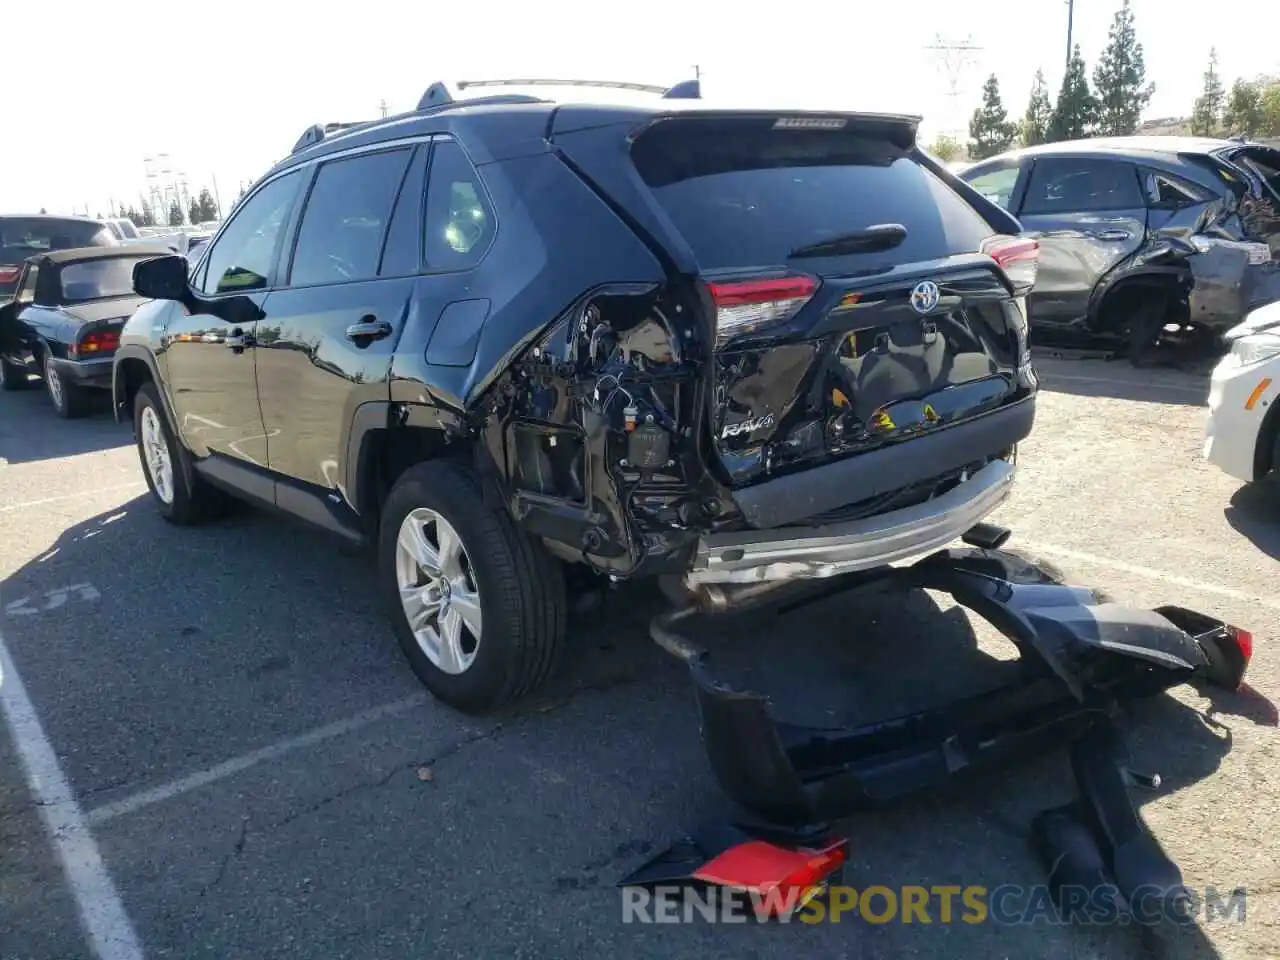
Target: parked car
x: 1140, y: 233
x: 726, y: 346
x: 65, y: 319
x: 1243, y: 433
x: 124, y: 229
x: 26, y: 236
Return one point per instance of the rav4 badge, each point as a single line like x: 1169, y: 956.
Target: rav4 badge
x: 746, y: 426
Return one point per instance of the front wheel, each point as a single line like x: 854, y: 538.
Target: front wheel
x: 180, y: 495
x: 478, y: 608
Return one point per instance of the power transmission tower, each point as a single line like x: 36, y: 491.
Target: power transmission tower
x: 954, y: 58
x: 382, y: 107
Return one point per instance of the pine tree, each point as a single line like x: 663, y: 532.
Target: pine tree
x: 175, y: 213
x: 1076, y: 112
x: 1035, y: 122
x: 146, y: 216
x: 208, y: 206
x: 1243, y: 114
x: 193, y: 211
x: 1120, y: 78
x: 1206, y: 115
x: 990, y: 131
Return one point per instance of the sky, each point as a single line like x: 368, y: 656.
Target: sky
x: 224, y: 89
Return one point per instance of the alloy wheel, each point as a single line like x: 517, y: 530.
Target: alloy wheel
x: 438, y: 590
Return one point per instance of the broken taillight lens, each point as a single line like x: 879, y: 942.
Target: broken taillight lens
x: 1018, y: 257
x: 780, y: 880
x: 744, y: 306
x: 8, y: 274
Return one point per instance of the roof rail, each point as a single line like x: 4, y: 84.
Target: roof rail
x: 317, y: 132
x: 689, y: 89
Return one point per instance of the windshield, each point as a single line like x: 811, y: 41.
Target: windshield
x: 98, y: 279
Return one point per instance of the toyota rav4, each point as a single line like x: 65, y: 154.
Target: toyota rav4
x: 491, y: 337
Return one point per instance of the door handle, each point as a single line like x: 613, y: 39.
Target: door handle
x: 369, y: 328
x: 1112, y: 234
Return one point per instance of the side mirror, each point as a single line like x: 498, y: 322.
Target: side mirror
x: 163, y: 278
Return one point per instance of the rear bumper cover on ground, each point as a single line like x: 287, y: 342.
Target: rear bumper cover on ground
x: 856, y: 545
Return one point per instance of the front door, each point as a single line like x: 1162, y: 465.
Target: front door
x: 1089, y: 215
x: 209, y: 350
x: 330, y: 329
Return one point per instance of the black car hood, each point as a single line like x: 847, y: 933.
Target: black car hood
x: 117, y: 308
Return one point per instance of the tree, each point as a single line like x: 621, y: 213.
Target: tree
x: 1206, y: 115
x: 1243, y: 113
x: 146, y: 216
x: 208, y: 206
x: 945, y: 148
x: 175, y: 213
x: 1269, y: 111
x: 1120, y: 78
x: 1076, y: 112
x: 1035, y: 122
x: 43, y: 210
x: 990, y: 131
x: 193, y: 211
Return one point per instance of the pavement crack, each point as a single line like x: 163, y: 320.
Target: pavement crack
x: 236, y: 850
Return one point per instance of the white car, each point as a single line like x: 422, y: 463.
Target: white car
x: 1243, y: 434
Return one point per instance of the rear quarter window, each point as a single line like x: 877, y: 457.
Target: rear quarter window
x: 746, y: 196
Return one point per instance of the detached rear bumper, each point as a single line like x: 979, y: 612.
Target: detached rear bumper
x: 759, y: 555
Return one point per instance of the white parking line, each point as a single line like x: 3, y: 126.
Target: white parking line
x: 1149, y: 573
x: 166, y: 791
x: 102, y: 913
x: 73, y: 496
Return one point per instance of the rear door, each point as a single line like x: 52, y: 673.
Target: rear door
x: 1090, y: 215
x: 852, y: 305
x: 326, y: 340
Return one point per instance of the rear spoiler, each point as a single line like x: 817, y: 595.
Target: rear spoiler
x: 900, y: 129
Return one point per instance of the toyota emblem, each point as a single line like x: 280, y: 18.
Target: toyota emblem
x: 924, y: 297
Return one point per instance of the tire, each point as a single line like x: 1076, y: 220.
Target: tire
x: 12, y: 376
x: 180, y: 500
x: 69, y: 400
x: 518, y: 589
x: 1143, y: 331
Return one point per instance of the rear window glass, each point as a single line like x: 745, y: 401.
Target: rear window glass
x: 21, y: 238
x: 744, y: 194
x: 98, y: 279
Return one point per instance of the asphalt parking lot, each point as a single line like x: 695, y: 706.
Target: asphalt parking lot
x: 234, y: 761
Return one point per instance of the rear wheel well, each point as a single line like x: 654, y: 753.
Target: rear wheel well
x: 386, y: 453
x: 1124, y: 301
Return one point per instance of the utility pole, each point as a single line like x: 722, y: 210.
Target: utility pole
x: 217, y: 197
x: 382, y: 107
x: 1071, y: 10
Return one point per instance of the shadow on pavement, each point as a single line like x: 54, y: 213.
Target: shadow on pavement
x: 30, y: 430
x: 1254, y: 512
x: 194, y: 646
x: 1117, y: 380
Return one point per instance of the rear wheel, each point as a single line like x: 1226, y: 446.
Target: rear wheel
x: 478, y: 608
x: 166, y: 465
x: 69, y: 399
x: 12, y: 376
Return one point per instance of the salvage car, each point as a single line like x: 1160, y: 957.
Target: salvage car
x: 494, y: 336
x: 1140, y: 234
x: 1243, y: 433
x: 65, y: 319
x: 28, y: 235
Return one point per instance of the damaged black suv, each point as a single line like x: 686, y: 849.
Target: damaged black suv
x: 495, y: 336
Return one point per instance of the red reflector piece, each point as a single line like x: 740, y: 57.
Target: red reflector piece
x: 762, y: 868
x: 739, y: 293
x: 1243, y: 640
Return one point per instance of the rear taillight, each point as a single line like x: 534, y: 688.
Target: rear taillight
x: 99, y: 341
x: 9, y: 274
x: 1019, y: 257
x: 1228, y: 653
x: 743, y: 306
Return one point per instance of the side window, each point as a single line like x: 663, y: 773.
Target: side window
x: 996, y: 185
x: 459, y: 224
x: 1069, y: 185
x: 241, y: 259
x: 27, y: 292
x: 1167, y: 191
x: 402, y: 253
x: 346, y: 216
